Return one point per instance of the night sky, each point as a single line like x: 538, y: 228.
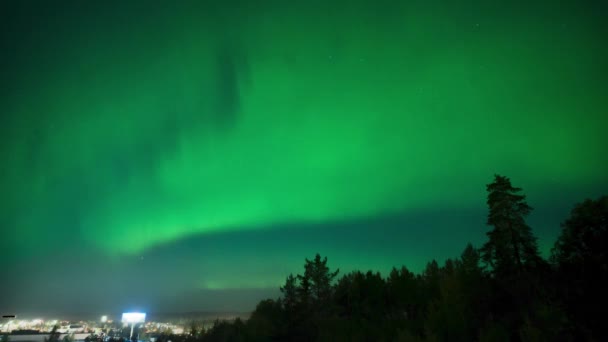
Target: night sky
x: 188, y: 156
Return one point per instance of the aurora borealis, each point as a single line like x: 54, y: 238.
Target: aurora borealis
x: 203, y: 149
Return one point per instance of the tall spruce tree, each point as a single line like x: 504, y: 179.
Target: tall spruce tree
x: 320, y: 278
x: 511, y: 247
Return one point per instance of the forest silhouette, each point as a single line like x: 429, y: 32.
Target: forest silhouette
x: 501, y: 291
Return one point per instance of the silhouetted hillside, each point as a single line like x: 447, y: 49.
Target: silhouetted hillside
x: 503, y: 291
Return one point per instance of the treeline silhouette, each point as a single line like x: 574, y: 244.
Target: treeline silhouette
x: 502, y: 291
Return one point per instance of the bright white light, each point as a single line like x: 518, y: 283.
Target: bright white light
x: 133, y: 317
x: 104, y: 319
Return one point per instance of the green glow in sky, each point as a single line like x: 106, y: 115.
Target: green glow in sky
x: 205, y: 119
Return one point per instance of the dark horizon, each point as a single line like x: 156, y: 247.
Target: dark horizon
x: 183, y: 317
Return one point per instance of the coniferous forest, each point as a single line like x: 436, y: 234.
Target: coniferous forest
x: 503, y: 290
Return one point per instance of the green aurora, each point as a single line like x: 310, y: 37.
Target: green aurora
x: 129, y: 126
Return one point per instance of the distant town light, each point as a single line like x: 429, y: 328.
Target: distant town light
x: 133, y: 317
